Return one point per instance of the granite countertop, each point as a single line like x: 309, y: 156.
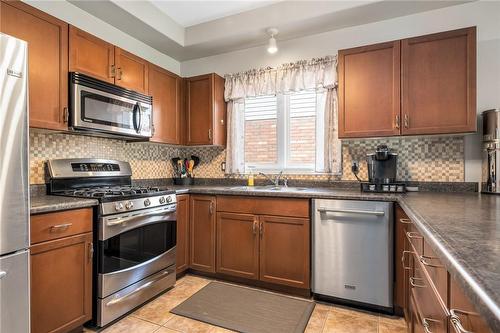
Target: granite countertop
x: 42, y: 203
x: 462, y: 228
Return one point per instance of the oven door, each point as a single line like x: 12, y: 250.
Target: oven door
x: 133, y: 246
x: 93, y: 109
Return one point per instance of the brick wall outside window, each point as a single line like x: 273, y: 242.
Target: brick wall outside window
x: 260, y: 141
x: 302, y: 140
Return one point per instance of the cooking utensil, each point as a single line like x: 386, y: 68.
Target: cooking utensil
x: 191, y: 167
x: 196, y: 160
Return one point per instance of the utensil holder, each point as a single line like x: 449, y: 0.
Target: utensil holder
x: 184, y: 181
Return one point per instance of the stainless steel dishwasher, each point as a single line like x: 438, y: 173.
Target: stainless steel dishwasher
x: 353, y: 252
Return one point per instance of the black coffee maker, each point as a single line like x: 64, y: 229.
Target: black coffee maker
x: 382, y: 171
x: 382, y: 165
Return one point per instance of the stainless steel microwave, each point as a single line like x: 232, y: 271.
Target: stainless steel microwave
x: 104, y: 109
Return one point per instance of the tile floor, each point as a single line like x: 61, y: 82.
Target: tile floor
x: 154, y: 317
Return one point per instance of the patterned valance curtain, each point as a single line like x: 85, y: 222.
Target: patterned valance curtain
x: 301, y: 75
x: 317, y: 73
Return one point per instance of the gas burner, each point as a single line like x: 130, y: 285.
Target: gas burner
x: 108, y: 192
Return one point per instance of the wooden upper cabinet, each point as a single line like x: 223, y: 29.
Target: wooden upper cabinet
x: 205, y: 110
x: 439, y: 83
x: 47, y: 39
x: 90, y: 55
x: 182, y: 246
x: 238, y: 245
x: 369, y: 91
x: 131, y: 71
x: 284, y: 250
x: 166, y: 89
x: 202, y: 232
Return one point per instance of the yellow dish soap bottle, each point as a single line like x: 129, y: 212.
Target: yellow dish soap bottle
x: 251, y: 179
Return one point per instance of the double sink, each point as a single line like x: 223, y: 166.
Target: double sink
x: 272, y: 188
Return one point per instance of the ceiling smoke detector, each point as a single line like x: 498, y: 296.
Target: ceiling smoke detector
x: 272, y: 47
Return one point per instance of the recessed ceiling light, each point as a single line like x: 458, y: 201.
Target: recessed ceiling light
x: 272, y: 47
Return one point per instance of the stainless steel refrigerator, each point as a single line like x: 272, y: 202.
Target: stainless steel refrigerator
x: 14, y: 187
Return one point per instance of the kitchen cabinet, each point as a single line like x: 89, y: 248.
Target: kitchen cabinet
x: 61, y: 271
x: 104, y: 61
x: 463, y: 312
x: 205, y: 110
x: 439, y: 83
x: 401, y: 297
x: 284, y: 249
x: 90, y: 55
x: 131, y: 72
x: 182, y: 246
x: 47, y: 39
x: 202, y: 233
x: 369, y: 90
x: 238, y: 245
x: 265, y: 239
x: 415, y: 86
x: 166, y: 89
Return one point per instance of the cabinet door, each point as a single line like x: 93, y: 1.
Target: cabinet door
x: 464, y: 312
x: 369, y: 91
x: 182, y: 247
x: 285, y: 251
x: 61, y: 284
x: 202, y: 231
x: 401, y: 260
x: 131, y: 71
x: 199, y: 93
x: 165, y: 88
x: 439, y: 83
x: 47, y: 39
x: 238, y: 245
x: 90, y: 55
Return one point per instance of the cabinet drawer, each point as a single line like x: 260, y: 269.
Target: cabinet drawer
x: 415, y: 239
x: 436, y: 271
x: 50, y: 226
x: 264, y: 206
x: 429, y: 307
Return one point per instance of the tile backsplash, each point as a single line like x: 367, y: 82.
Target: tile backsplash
x: 420, y: 159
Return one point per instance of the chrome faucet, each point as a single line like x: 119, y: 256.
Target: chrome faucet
x: 276, y: 180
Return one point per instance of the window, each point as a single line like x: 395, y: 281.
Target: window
x: 285, y: 132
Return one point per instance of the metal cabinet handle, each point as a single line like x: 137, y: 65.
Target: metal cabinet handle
x: 261, y: 229
x: 58, y: 227
x: 120, y: 73
x: 426, y: 324
x: 112, y: 71
x: 455, y: 320
x: 91, y: 251
x: 144, y: 286
x: 397, y: 121
x: 405, y: 221
x: 254, y: 226
x: 403, y: 259
x: 65, y: 115
x: 413, y: 284
x: 209, y: 134
x: 414, y: 235
x: 407, y: 121
x: 211, y: 207
x: 351, y: 211
x: 2, y: 274
x: 423, y: 260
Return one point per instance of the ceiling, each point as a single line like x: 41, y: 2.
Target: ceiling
x: 187, y: 30
x: 188, y: 13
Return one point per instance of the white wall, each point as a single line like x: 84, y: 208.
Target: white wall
x: 483, y: 14
x: 67, y: 12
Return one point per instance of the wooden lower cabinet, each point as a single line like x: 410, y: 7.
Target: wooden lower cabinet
x: 202, y: 233
x: 284, y: 250
x: 182, y: 246
x: 238, y: 245
x: 61, y: 284
x: 463, y: 312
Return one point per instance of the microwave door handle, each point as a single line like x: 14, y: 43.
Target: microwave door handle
x: 140, y: 118
x: 134, y: 117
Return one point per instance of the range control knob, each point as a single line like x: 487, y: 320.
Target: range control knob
x: 162, y: 200
x: 169, y: 199
x: 118, y: 206
x: 147, y: 202
x: 129, y: 205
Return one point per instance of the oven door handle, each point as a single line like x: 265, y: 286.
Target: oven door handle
x: 132, y: 218
x: 144, y: 286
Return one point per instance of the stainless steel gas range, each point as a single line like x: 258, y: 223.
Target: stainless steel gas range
x: 134, y: 233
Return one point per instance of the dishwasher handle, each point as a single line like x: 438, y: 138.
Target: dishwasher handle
x: 351, y: 211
